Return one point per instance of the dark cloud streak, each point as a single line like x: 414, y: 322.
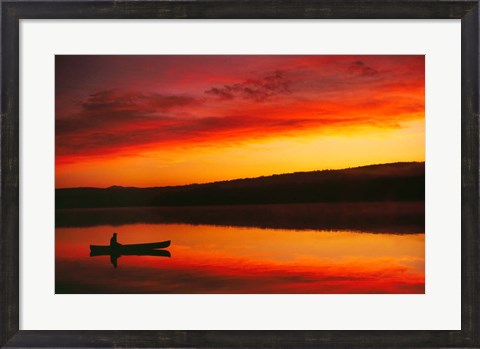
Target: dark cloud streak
x: 360, y: 68
x: 254, y: 89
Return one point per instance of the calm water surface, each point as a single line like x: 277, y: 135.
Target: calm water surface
x: 208, y: 258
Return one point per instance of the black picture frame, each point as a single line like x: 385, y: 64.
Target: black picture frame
x: 13, y: 11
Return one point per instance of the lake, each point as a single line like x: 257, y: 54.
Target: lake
x: 303, y: 248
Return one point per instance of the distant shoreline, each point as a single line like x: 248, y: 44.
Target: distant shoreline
x: 386, y: 182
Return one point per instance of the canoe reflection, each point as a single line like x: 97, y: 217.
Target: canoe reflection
x: 116, y: 250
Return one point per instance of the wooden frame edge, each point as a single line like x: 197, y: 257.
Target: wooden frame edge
x: 13, y: 11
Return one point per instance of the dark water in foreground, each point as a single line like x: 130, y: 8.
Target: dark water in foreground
x: 305, y: 248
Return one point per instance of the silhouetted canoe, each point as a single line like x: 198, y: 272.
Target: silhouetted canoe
x: 128, y: 249
x: 159, y: 253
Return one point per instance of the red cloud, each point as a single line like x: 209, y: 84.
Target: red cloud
x: 168, y: 103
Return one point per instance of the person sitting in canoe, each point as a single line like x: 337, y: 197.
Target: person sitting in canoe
x: 114, y: 251
x: 113, y: 241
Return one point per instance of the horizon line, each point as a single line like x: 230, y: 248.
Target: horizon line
x: 245, y: 178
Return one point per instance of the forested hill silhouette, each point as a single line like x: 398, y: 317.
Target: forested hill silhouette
x: 386, y: 182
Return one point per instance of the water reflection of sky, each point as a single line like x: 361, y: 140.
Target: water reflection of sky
x: 217, y: 259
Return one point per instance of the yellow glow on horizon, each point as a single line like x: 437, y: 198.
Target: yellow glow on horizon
x: 253, y: 159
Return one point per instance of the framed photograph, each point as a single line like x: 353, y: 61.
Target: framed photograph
x: 239, y: 174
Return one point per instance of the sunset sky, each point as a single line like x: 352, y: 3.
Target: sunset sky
x: 169, y: 120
